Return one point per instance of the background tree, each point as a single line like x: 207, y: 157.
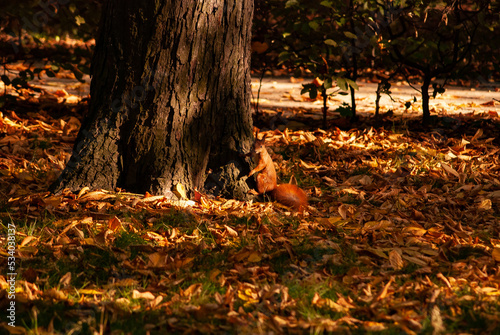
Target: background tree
x: 317, y: 37
x: 170, y: 99
x: 432, y: 40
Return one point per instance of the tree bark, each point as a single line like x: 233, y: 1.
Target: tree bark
x: 170, y: 99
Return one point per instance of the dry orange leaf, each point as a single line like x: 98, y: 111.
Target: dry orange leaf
x: 114, y: 224
x: 142, y: 295
x: 450, y: 170
x: 395, y: 259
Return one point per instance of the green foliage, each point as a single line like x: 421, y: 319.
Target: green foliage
x: 344, y: 110
x: 45, y: 19
x: 420, y: 40
x: 34, y: 31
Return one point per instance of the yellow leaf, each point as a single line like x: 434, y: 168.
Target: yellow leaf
x: 90, y: 291
x: 247, y: 296
x: 496, y: 254
x: 254, y: 257
x: 180, y: 191
x: 485, y: 204
x: 82, y: 192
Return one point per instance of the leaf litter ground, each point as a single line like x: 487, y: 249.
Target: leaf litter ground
x: 402, y: 235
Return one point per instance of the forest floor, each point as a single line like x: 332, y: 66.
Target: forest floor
x: 402, y: 234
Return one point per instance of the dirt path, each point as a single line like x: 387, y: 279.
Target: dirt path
x: 282, y: 93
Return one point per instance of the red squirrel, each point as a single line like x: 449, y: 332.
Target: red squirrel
x: 286, y: 194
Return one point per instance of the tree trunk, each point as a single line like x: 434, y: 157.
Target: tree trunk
x: 425, y: 98
x: 170, y: 99
x: 354, y: 61
x: 378, y: 95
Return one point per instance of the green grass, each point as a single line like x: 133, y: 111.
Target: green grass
x: 126, y: 239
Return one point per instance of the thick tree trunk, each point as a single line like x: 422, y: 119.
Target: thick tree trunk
x: 170, y: 99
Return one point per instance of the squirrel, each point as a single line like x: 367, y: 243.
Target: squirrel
x: 286, y: 194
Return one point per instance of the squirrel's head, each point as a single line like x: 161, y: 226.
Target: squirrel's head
x: 259, y: 144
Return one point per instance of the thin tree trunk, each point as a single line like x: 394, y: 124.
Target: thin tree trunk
x: 170, y: 99
x: 354, y: 62
x: 378, y: 95
x: 425, y: 99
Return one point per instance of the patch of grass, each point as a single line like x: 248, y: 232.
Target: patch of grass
x: 362, y: 170
x: 312, y: 253
x: 240, y: 221
x: 92, y: 265
x: 410, y: 268
x: 185, y: 221
x: 43, y: 315
x: 465, y: 252
x: 279, y: 262
x: 70, y: 319
x: 290, y: 221
x: 350, y: 200
x: 211, y: 259
x: 473, y: 316
x: 42, y: 144
x: 304, y: 293
x: 126, y: 239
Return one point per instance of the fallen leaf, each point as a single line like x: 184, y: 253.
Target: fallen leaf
x: 395, y: 259
x: 143, y: 295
